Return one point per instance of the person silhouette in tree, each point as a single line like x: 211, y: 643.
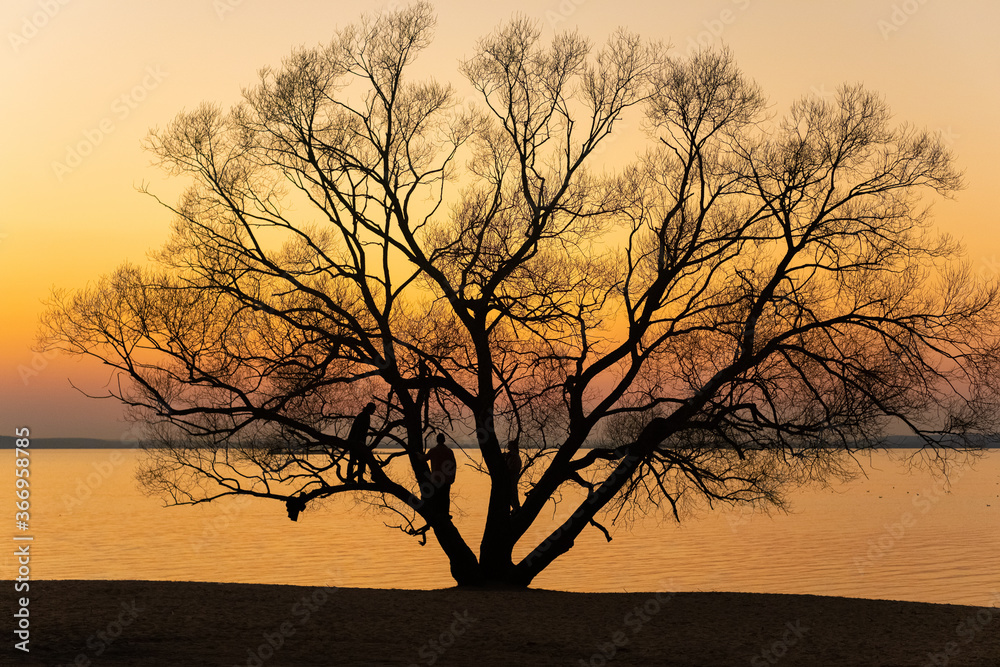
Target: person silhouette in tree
x: 514, y: 466
x: 295, y: 505
x: 443, y: 468
x: 356, y: 444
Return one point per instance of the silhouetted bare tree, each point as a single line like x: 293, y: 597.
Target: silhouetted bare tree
x: 731, y: 314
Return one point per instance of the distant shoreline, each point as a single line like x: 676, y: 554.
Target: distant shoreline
x: 153, y: 623
x: 7, y: 442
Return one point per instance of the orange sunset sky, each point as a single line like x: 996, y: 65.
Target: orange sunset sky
x: 83, y: 82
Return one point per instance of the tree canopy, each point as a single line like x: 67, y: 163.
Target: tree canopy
x: 744, y: 305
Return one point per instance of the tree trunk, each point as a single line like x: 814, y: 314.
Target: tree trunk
x: 562, y: 538
x: 465, y: 569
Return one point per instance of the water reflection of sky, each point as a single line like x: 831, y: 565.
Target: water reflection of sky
x: 896, y: 534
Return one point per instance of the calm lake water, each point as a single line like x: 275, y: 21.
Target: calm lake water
x: 898, y: 534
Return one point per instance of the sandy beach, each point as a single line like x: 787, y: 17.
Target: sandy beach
x: 168, y: 623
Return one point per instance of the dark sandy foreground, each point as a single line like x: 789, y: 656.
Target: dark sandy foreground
x: 165, y: 623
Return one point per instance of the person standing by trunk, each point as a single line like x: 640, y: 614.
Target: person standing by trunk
x: 514, y: 467
x: 443, y: 468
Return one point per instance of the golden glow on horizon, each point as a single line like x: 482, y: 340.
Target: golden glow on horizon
x: 94, y: 77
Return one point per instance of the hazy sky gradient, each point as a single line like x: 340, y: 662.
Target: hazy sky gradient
x: 99, y: 74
